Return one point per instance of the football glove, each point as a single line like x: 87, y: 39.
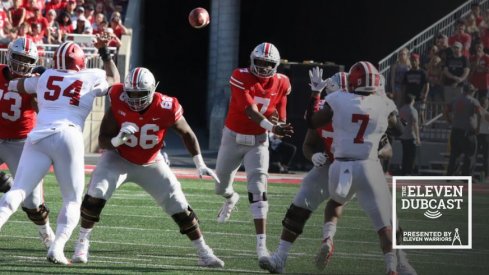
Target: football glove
x: 317, y: 83
x: 202, y: 169
x: 125, y: 132
x: 319, y: 159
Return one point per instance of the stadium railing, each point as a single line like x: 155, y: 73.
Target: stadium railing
x: 437, y: 129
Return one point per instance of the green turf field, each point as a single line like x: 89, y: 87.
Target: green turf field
x: 135, y: 237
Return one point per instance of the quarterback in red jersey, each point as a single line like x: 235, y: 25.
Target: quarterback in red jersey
x: 17, y: 118
x: 257, y: 93
x: 133, y: 131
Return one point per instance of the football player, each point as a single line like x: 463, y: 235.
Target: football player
x: 65, y: 94
x: 133, y: 131
x: 257, y: 93
x: 360, y: 118
x: 17, y: 118
x: 314, y: 186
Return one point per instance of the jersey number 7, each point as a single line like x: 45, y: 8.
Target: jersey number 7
x: 363, y: 119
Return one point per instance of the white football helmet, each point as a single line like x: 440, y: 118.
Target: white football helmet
x: 265, y: 59
x: 339, y: 81
x: 22, y: 56
x: 139, y: 88
x: 363, y: 77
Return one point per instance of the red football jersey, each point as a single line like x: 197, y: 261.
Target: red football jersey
x: 247, y: 89
x: 326, y: 133
x: 143, y: 147
x: 17, y: 115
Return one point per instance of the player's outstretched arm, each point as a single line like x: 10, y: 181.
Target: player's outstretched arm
x: 192, y: 144
x: 23, y: 85
x: 110, y: 68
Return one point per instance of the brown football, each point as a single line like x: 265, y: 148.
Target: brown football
x: 199, y: 18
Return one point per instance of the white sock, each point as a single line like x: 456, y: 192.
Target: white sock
x: 85, y: 233
x: 43, y: 229
x: 5, y: 214
x: 329, y: 230
x: 261, y: 241
x: 200, y: 244
x: 390, y: 261
x: 283, y: 248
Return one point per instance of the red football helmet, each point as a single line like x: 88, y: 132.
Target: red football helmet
x: 69, y: 56
x: 363, y: 77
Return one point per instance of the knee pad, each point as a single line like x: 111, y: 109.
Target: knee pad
x: 91, y: 208
x: 6, y: 182
x: 258, y: 205
x: 39, y: 215
x: 187, y: 221
x: 295, y: 219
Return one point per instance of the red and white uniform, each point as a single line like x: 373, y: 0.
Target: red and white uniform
x: 65, y: 98
x: 246, y: 89
x: 359, y: 122
x: 17, y: 118
x: 269, y: 94
x: 139, y: 159
x: 144, y: 146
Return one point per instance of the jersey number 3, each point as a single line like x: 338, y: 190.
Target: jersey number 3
x: 363, y: 119
x: 15, y: 101
x: 72, y: 91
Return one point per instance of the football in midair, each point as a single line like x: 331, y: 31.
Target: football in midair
x: 199, y: 18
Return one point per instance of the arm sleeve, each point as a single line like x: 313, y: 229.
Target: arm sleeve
x: 282, y: 109
x: 101, y: 88
x: 30, y: 85
x: 242, y: 97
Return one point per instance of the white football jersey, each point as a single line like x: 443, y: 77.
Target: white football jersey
x: 66, y: 97
x: 358, y: 123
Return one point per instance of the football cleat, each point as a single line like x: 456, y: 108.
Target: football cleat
x: 47, y: 238
x: 57, y: 257
x: 208, y: 259
x: 262, y: 253
x: 273, y: 263
x: 403, y: 266
x: 81, y: 251
x: 325, y: 253
x: 228, y: 206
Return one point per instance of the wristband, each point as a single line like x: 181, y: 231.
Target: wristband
x: 198, y: 160
x: 104, y: 53
x: 266, y: 124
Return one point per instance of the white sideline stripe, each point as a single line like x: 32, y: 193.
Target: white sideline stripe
x: 133, y: 262
x: 117, y: 260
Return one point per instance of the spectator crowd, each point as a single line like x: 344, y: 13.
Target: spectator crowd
x: 454, y: 74
x: 49, y: 21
